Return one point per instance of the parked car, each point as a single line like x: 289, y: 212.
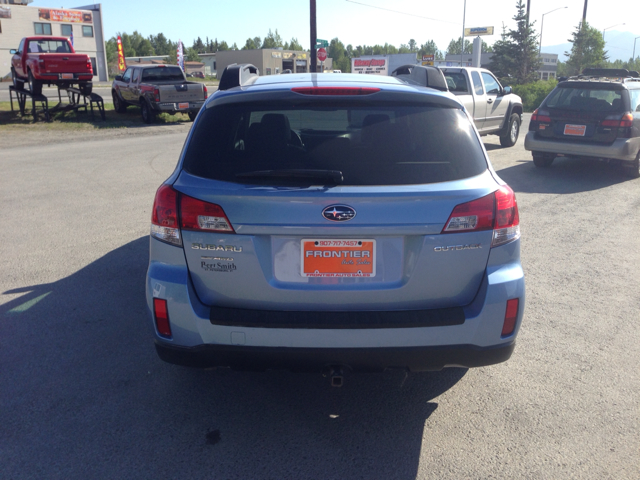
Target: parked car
x: 334, y: 221
x: 495, y: 109
x: 198, y: 74
x: 156, y: 89
x: 51, y: 61
x: 594, y: 115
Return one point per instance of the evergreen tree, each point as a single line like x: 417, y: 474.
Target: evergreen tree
x: 587, y: 49
x: 430, y: 48
x: 516, y: 53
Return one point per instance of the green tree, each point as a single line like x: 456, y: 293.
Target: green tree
x: 587, y: 49
x: 340, y: 56
x: 160, y: 44
x: 293, y: 45
x: 191, y: 55
x: 252, y: 43
x: 454, y: 47
x: 516, y: 53
x: 272, y: 40
x: 430, y: 48
x: 198, y: 45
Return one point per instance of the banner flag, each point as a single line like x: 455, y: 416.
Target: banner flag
x: 180, y: 55
x: 71, y: 38
x: 122, y: 65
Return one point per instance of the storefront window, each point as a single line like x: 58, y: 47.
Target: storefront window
x: 42, y: 28
x: 87, y: 31
x: 66, y: 30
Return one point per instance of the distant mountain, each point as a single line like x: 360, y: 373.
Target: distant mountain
x: 619, y: 46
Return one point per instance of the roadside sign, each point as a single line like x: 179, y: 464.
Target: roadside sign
x: 428, y: 59
x: 322, y: 54
x: 476, y: 31
x: 321, y: 43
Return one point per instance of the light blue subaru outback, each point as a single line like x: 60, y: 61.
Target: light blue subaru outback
x: 334, y: 221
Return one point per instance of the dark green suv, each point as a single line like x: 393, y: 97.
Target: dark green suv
x: 593, y: 115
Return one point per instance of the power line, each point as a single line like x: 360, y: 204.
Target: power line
x: 402, y: 13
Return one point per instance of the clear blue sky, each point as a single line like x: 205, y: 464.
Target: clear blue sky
x: 356, y: 22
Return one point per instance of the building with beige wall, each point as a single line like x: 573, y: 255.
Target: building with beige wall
x: 20, y: 20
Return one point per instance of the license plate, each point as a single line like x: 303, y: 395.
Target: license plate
x: 183, y: 106
x: 575, y: 130
x: 338, y: 258
x: 67, y: 75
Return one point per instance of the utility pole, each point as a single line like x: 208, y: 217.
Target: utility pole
x: 528, y: 8
x: 584, y: 13
x: 314, y: 55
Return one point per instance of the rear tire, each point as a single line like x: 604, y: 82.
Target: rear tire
x: 510, y: 137
x: 118, y: 105
x: 34, y: 85
x: 543, y: 160
x: 632, y: 169
x: 147, y: 114
x: 17, y: 83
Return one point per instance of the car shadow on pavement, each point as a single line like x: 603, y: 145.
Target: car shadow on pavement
x: 565, y: 175
x: 84, y: 395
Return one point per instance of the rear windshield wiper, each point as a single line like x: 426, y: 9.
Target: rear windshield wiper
x: 335, y: 176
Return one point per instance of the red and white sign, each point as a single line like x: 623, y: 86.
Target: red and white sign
x: 375, y: 66
x: 575, y: 130
x: 338, y: 258
x: 322, y: 54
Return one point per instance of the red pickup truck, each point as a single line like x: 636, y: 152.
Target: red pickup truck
x: 50, y: 60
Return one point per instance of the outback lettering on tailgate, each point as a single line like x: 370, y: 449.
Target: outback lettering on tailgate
x: 451, y: 248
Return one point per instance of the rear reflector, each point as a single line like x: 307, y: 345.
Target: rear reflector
x: 198, y: 215
x: 164, y: 218
x: 206, y: 92
x: 497, y: 211
x: 510, y: 317
x: 335, y: 90
x: 161, y: 316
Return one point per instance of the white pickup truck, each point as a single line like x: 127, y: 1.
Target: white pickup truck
x: 495, y: 110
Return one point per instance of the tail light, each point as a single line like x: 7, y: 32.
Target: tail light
x: 89, y: 65
x: 618, y: 121
x: 198, y: 215
x: 497, y: 211
x: 206, y: 92
x: 510, y: 317
x: 156, y: 94
x: 194, y: 214
x: 540, y: 116
x: 335, y: 90
x: 164, y: 218
x: 161, y: 316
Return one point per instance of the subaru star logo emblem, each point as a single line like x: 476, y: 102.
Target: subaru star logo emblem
x: 338, y: 213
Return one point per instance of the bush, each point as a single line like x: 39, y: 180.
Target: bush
x: 533, y: 94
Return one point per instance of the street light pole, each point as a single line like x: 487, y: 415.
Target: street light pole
x: 464, y: 12
x: 616, y: 25
x: 634, y: 48
x: 542, y: 26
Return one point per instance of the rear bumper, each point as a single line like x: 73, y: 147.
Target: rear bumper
x: 620, y: 149
x: 57, y: 77
x: 316, y: 359
x: 175, y: 107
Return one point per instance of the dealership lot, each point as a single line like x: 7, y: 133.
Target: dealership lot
x: 83, y: 395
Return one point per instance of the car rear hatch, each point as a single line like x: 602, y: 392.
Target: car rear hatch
x: 583, y: 112
x: 183, y: 92
x: 336, y: 206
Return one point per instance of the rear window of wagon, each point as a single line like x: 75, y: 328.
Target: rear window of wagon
x: 370, y: 145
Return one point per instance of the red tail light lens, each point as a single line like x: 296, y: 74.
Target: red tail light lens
x: 510, y: 317
x: 198, y: 215
x: 161, y: 316
x: 156, y: 95
x: 164, y: 218
x: 89, y: 65
x: 618, y: 121
x: 472, y: 216
x: 335, y: 90
x: 497, y: 211
x: 206, y: 92
x: 540, y: 116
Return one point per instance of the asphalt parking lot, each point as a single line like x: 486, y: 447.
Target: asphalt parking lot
x: 83, y: 394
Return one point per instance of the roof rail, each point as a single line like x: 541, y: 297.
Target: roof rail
x: 609, y: 72
x: 237, y: 75
x: 426, y: 76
